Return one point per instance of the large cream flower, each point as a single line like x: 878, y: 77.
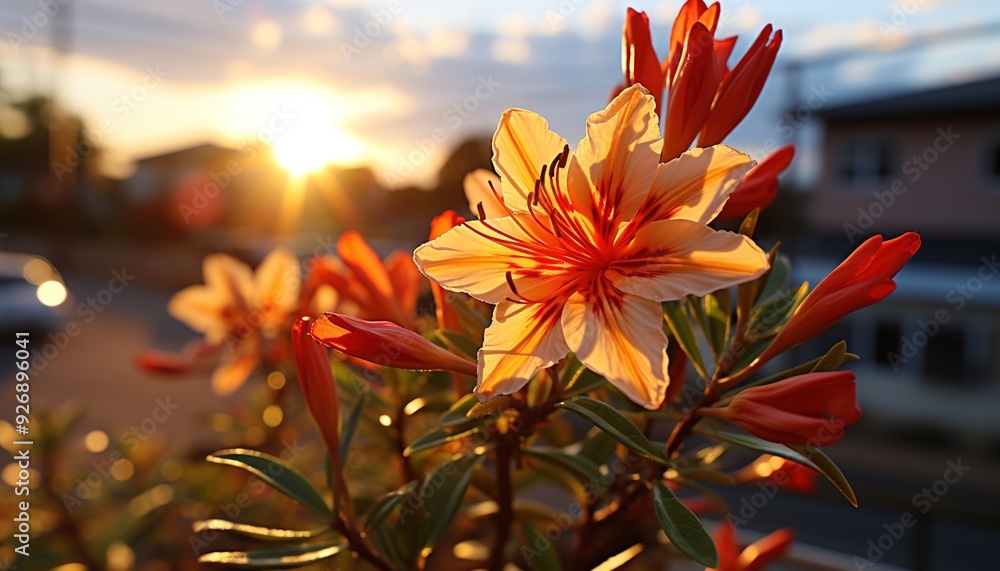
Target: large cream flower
x: 589, y: 243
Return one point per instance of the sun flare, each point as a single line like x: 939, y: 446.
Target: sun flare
x: 302, y: 151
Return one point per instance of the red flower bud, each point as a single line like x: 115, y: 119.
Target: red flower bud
x: 807, y: 409
x: 386, y: 344
x: 759, y: 186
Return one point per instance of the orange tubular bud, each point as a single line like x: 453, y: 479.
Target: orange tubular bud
x: 807, y: 409
x: 312, y: 364
x: 739, y: 90
x: 759, y: 186
x: 386, y: 344
x: 757, y: 556
x: 639, y: 61
x: 864, y: 278
x: 692, y: 89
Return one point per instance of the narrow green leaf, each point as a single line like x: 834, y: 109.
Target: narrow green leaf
x: 258, y: 532
x: 808, y: 456
x: 777, y: 277
x: 683, y: 528
x: 454, y: 342
x: 822, y: 463
x: 280, y: 558
x: 680, y: 326
x: 833, y: 359
x: 276, y: 473
x: 351, y: 426
x: 768, y: 318
x: 446, y: 486
x: 458, y: 414
x: 585, y: 470
x: 717, y: 322
x: 580, y: 379
x: 383, y: 508
x: 437, y: 437
x: 610, y: 420
x: 598, y: 447
x: 539, y: 553
x: 748, y: 293
x: 749, y: 223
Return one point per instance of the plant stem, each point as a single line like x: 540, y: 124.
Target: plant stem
x: 505, y: 500
x: 359, y: 544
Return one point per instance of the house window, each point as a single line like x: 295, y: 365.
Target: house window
x: 991, y: 162
x: 866, y: 161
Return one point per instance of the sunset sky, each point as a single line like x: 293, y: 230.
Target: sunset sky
x: 163, y: 75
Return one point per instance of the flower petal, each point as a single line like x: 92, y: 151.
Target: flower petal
x: 201, y: 308
x: 278, y: 280
x: 695, y: 185
x: 234, y: 369
x: 521, y: 145
x: 230, y: 277
x: 621, y: 152
x: 620, y: 337
x: 405, y: 280
x: 669, y: 259
x: 478, y: 191
x: 523, y: 338
x: 476, y: 257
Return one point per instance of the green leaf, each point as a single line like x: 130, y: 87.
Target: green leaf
x: 806, y: 455
x: 610, y: 420
x: 777, y: 277
x: 748, y: 293
x: 258, y: 532
x: 437, y: 437
x: 833, y: 359
x: 278, y: 474
x: 383, y: 508
x: 580, y: 466
x: 598, y: 447
x: 580, y: 379
x: 749, y: 223
x: 351, y: 426
x: 458, y: 414
x: 543, y: 556
x: 447, y: 485
x: 822, y: 463
x: 768, y: 318
x: 683, y: 528
x: 280, y: 558
x: 717, y: 323
x: 680, y: 326
x: 454, y: 342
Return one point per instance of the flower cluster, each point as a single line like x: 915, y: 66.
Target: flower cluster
x: 608, y: 281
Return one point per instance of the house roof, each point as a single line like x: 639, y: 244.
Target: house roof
x: 977, y: 97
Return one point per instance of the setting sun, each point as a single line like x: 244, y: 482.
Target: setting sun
x: 301, y: 151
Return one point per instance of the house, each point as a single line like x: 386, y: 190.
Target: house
x: 926, y: 161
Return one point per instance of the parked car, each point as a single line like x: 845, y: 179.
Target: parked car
x: 33, y: 295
